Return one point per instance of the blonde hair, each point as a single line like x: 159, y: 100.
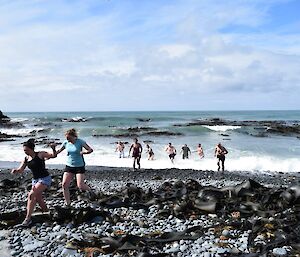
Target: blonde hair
x: 71, y: 132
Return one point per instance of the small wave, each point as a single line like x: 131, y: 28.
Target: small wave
x: 221, y: 127
x: 74, y: 119
x: 20, y: 131
x: 19, y: 119
x: 106, y: 156
x: 251, y: 164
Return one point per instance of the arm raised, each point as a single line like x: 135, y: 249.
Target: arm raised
x: 46, y: 155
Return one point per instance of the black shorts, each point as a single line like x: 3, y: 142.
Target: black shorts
x: 221, y: 157
x: 75, y: 170
x: 172, y: 155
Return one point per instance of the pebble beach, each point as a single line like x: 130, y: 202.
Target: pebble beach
x: 150, y: 212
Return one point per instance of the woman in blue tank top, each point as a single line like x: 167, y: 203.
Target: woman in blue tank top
x: 75, y: 164
x: 35, y: 161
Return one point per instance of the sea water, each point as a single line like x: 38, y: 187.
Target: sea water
x: 246, y: 152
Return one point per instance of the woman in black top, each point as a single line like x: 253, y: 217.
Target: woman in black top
x: 35, y: 161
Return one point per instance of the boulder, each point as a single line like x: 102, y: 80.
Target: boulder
x: 3, y: 118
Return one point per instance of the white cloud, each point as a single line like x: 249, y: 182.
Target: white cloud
x: 121, y: 68
x: 161, y: 51
x: 176, y: 50
x: 157, y: 78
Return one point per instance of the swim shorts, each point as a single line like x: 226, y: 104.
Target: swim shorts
x: 172, y: 155
x: 221, y: 157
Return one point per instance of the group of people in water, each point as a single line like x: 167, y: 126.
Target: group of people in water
x: 75, y: 166
x: 136, y: 151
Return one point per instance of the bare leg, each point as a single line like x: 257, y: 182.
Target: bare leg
x: 65, y: 186
x: 218, y: 164
x: 41, y: 202
x: 36, y: 192
x: 80, y: 182
x: 138, y: 159
x: 134, y: 160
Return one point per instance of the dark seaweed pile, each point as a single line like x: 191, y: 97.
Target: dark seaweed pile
x: 269, y: 211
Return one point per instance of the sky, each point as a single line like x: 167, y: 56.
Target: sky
x: 139, y: 55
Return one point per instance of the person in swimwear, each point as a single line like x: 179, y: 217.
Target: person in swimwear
x: 137, y: 149
x: 200, y: 151
x: 185, y: 150
x: 150, y: 152
x: 170, y: 149
x: 75, y: 165
x: 41, y: 180
x: 120, y: 148
x: 220, y: 152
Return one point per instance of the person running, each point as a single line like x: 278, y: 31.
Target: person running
x: 120, y: 148
x: 75, y: 164
x: 185, y: 150
x: 41, y: 180
x: 200, y: 151
x: 137, y: 149
x: 220, y: 152
x: 150, y: 152
x: 170, y: 149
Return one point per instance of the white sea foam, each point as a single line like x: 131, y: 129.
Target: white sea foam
x: 19, y: 119
x: 107, y: 157
x: 246, y: 152
x: 263, y: 163
x: 19, y: 131
x: 75, y: 119
x: 221, y: 128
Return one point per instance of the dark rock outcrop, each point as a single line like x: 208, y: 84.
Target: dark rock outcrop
x: 264, y: 127
x: 143, y: 120
x: 139, y: 129
x: 2, y: 116
x: 162, y: 133
x: 138, y: 132
x: 5, y: 121
x: 5, y: 137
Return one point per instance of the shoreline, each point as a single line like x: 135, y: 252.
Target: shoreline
x: 125, y: 174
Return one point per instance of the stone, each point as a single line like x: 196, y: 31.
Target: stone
x: 226, y: 233
x: 33, y: 246
x: 14, y: 253
x: 172, y: 250
x: 280, y: 252
x: 183, y: 248
x: 56, y: 228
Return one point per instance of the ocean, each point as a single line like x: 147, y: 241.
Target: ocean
x: 101, y: 130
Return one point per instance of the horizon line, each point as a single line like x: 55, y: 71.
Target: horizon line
x: 213, y: 110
